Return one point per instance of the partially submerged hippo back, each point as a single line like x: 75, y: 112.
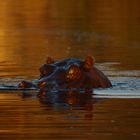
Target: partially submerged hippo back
x: 70, y: 73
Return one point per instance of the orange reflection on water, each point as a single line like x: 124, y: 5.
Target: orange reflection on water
x: 31, y: 30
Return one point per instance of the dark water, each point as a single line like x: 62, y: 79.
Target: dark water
x: 31, y: 30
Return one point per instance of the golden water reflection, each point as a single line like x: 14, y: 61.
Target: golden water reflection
x: 32, y: 29
x: 27, y: 118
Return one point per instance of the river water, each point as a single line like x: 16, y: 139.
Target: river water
x: 31, y: 30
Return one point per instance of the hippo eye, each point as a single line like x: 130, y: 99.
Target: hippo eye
x: 73, y: 73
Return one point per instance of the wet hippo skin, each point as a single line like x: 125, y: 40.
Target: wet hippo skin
x: 68, y: 74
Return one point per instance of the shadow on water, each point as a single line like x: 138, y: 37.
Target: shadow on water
x: 64, y: 98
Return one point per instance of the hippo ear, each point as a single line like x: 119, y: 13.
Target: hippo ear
x: 73, y: 73
x: 49, y: 60
x: 89, y: 62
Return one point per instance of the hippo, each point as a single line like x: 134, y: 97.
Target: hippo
x: 69, y: 73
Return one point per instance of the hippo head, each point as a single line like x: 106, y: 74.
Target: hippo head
x: 67, y: 73
x: 70, y: 73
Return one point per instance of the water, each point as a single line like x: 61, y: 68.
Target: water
x: 31, y: 30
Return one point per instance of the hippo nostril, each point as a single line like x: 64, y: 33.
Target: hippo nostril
x: 74, y: 73
x: 25, y: 84
x: 21, y: 85
x: 42, y: 84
